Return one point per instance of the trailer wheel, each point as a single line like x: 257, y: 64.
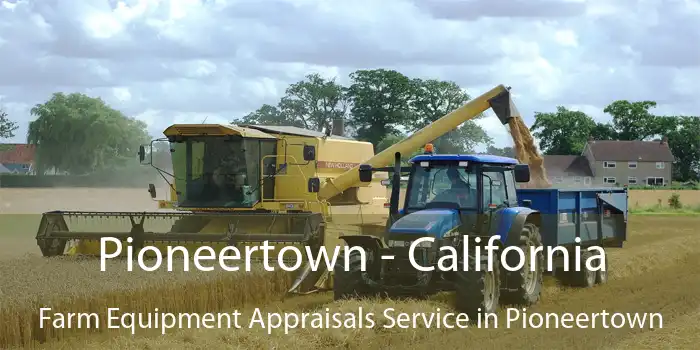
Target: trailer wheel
x: 601, y: 276
x: 585, y: 277
x: 528, y: 280
x: 349, y: 284
x: 478, y: 292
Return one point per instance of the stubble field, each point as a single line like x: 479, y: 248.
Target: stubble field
x: 655, y: 272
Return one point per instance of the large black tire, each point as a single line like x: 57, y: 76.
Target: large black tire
x: 527, y: 281
x: 350, y: 284
x: 584, y: 278
x: 478, y: 292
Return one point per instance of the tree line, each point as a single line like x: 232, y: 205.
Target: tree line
x: 566, y: 132
x: 380, y: 106
x: 78, y: 134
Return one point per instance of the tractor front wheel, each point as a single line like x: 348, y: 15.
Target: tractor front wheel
x: 349, y: 281
x: 582, y: 276
x: 478, y: 290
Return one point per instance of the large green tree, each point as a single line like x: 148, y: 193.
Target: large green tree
x: 684, y: 140
x: 380, y: 103
x: 7, y: 127
x: 79, y: 134
x: 311, y: 103
x: 503, y: 152
x: 563, y: 132
x: 433, y: 99
x: 633, y: 121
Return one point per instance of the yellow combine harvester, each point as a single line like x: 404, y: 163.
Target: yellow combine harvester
x: 241, y: 185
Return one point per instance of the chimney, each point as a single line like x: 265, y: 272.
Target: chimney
x: 338, y: 127
x: 664, y: 140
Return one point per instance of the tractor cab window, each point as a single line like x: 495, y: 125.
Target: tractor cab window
x: 494, y: 194
x: 442, y: 183
x: 217, y: 171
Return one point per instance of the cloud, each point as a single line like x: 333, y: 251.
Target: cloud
x: 476, y: 9
x: 187, y: 60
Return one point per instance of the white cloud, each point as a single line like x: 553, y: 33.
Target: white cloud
x: 186, y: 60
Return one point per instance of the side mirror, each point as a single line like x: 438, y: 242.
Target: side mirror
x: 142, y: 153
x: 314, y: 185
x: 365, y: 173
x: 152, y: 190
x: 309, y: 153
x: 522, y: 173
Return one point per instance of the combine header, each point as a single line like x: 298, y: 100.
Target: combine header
x: 242, y: 185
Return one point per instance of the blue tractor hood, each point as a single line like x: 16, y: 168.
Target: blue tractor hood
x: 430, y: 222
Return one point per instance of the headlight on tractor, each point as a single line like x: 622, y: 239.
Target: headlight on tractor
x: 407, y: 244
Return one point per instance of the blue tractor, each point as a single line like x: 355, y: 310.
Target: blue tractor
x: 453, y: 204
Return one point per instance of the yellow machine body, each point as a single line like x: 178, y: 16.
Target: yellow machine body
x: 293, y: 187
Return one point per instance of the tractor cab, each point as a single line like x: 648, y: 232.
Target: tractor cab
x: 450, y: 192
x: 467, y: 183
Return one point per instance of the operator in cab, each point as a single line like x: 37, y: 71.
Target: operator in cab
x: 456, y: 180
x: 228, y: 180
x: 460, y: 192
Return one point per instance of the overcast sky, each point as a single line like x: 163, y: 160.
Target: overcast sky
x: 184, y: 60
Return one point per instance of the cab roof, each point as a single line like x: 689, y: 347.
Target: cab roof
x: 477, y: 158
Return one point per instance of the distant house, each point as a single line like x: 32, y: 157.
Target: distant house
x: 614, y: 163
x: 568, y: 171
x: 16, y: 158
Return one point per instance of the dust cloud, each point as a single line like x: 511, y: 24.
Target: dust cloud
x: 526, y: 153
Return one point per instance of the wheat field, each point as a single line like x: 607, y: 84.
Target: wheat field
x: 655, y: 272
x: 29, y: 281
x: 648, y: 198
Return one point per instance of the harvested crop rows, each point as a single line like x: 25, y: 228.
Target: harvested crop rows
x: 29, y: 281
x: 655, y: 272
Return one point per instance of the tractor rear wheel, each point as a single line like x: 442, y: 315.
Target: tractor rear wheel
x: 528, y: 280
x: 478, y: 291
x: 601, y: 276
x: 349, y: 281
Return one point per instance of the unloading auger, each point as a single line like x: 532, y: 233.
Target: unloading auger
x: 241, y: 185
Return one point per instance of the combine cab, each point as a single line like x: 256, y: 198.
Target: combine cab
x: 242, y: 185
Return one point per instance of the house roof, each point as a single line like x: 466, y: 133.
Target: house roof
x: 557, y: 165
x: 642, y: 151
x: 4, y: 170
x: 16, y: 153
x: 15, y: 167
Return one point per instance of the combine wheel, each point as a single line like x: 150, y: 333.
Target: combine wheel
x: 528, y: 281
x: 584, y: 278
x: 601, y: 276
x: 349, y: 284
x: 478, y: 291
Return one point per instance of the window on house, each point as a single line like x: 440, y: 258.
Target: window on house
x: 632, y: 180
x: 607, y: 164
x: 558, y: 179
x: 632, y: 165
x: 655, y: 181
x: 609, y: 180
x: 660, y: 165
x: 577, y: 179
